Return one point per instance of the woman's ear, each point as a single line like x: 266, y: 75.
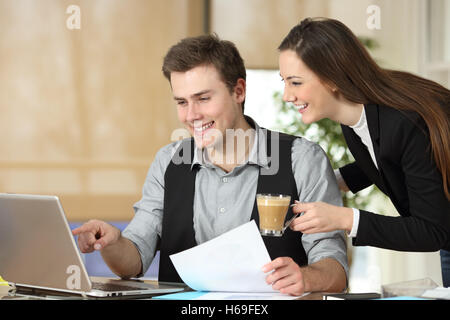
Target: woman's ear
x: 332, y: 87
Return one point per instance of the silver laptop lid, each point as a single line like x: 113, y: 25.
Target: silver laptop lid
x: 36, y: 244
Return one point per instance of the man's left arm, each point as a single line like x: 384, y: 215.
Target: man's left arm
x: 327, y: 268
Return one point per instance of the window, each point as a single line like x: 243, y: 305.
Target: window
x: 259, y: 102
x: 436, y: 41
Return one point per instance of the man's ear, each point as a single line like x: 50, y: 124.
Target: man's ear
x: 240, y: 90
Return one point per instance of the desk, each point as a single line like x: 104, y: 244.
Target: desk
x: 4, y: 295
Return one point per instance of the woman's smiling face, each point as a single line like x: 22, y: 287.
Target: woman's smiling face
x: 303, y: 88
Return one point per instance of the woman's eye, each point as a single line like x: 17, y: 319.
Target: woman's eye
x: 296, y: 84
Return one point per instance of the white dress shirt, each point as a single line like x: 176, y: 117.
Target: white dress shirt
x: 362, y: 130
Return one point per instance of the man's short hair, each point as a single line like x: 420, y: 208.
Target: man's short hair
x: 206, y: 50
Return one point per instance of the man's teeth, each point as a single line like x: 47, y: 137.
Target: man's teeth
x: 204, y: 127
x: 302, y: 106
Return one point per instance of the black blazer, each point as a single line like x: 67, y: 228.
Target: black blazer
x: 407, y: 175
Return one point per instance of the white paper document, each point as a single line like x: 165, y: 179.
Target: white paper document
x: 231, y: 262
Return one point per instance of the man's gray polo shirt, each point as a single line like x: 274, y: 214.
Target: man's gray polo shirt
x: 223, y: 201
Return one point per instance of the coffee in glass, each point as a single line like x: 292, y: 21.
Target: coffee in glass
x: 272, y: 209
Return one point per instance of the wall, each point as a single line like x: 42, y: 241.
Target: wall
x: 85, y: 110
x: 258, y: 29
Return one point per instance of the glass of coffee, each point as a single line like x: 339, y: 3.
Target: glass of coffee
x: 272, y: 209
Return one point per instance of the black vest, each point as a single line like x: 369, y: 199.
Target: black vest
x: 178, y: 216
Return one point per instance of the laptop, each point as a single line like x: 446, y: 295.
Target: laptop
x: 38, y: 252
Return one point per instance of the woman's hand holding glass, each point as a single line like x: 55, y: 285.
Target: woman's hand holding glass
x: 321, y: 217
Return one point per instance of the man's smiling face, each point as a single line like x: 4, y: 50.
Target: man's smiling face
x: 205, y: 105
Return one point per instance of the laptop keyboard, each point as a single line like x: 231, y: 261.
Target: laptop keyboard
x: 114, y: 287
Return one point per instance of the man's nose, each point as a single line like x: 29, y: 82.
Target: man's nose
x: 193, y: 112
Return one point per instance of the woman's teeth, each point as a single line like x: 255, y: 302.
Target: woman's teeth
x: 302, y: 106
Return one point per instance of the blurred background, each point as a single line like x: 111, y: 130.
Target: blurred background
x: 85, y: 107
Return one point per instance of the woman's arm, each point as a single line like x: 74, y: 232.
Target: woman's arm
x: 354, y: 178
x: 425, y: 223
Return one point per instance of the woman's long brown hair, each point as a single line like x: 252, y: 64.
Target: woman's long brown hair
x: 337, y: 57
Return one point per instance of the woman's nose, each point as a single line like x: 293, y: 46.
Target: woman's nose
x: 288, y: 96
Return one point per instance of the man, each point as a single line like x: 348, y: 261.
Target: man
x: 196, y: 191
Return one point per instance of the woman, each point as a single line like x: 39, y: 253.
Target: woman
x: 395, y: 124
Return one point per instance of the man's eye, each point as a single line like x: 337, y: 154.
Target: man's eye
x: 204, y: 99
x: 181, y: 102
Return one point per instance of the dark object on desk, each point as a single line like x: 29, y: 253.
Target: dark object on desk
x: 351, y: 296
